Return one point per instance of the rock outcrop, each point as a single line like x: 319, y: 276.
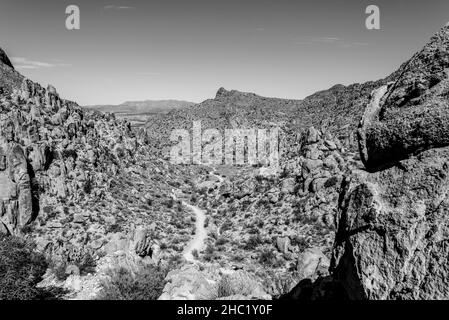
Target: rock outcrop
x: 16, y: 207
x: 411, y: 113
x: 4, y: 59
x: 393, y: 218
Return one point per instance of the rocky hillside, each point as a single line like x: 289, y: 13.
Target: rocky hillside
x: 336, y: 110
x: 229, y: 109
x: 82, y: 183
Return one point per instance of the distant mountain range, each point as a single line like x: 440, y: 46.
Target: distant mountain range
x: 138, y: 112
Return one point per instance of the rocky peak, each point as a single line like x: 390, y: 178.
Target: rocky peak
x: 221, y: 92
x: 4, y: 59
x: 233, y: 94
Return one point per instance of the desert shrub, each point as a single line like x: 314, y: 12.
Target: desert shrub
x: 227, y: 225
x: 237, y: 283
x: 253, y: 242
x: 170, y: 203
x: 69, y: 153
x: 115, y: 228
x: 301, y: 242
x: 209, y: 253
x: 195, y: 254
x: 21, y: 269
x: 278, y: 285
x: 221, y: 241
x: 305, y: 219
x: 123, y: 283
x: 163, y: 246
x: 331, y: 182
x: 175, y: 261
x: 267, y: 257
x: 88, y: 186
x: 82, y: 260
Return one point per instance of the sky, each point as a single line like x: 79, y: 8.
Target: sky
x: 187, y: 49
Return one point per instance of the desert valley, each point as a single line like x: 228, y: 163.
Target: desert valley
x: 92, y: 207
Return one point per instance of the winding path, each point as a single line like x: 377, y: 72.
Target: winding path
x: 197, y: 243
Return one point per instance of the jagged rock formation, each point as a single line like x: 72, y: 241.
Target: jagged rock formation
x: 44, y: 138
x: 410, y: 114
x: 392, y: 235
x: 4, y: 59
x: 16, y: 207
x: 9, y: 78
x: 78, y: 181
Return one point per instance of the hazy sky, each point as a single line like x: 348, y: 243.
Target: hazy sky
x: 144, y: 49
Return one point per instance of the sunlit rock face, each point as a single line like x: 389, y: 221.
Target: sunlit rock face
x: 393, y: 217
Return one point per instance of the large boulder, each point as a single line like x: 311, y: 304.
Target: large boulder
x: 312, y: 263
x: 393, y: 231
x: 188, y: 283
x: 410, y: 114
x: 393, y: 219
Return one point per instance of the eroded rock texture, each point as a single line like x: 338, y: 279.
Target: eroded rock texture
x: 410, y: 114
x: 16, y: 209
x: 393, y: 219
x: 393, y: 234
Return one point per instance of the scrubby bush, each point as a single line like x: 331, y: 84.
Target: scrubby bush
x: 227, y: 225
x: 278, y: 284
x: 21, y: 269
x: 253, y: 242
x: 209, y: 253
x: 332, y: 181
x: 267, y: 257
x: 146, y: 283
x: 300, y: 242
x: 77, y: 259
x: 238, y: 283
x: 221, y: 241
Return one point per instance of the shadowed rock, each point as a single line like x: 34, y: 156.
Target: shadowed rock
x: 4, y: 59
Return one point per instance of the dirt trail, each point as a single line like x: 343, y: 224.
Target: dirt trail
x: 197, y: 243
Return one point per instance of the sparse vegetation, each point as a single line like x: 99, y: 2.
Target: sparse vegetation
x: 253, y: 242
x: 77, y: 262
x: 21, y: 269
x: 267, y: 257
x: 145, y: 283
